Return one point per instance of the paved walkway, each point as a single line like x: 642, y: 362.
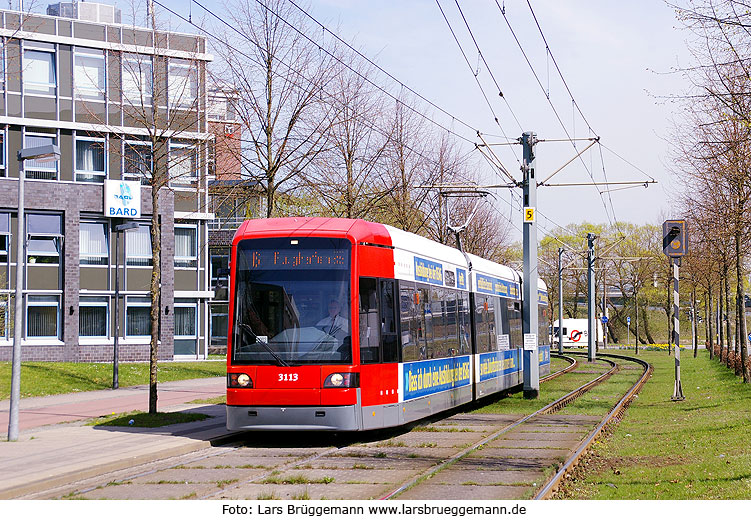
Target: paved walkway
x: 55, y: 446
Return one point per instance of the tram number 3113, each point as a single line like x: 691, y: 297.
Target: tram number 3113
x: 288, y: 377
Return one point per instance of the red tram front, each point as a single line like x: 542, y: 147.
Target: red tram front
x: 339, y: 324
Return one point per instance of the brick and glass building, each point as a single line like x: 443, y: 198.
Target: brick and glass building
x: 90, y: 87
x: 233, y: 198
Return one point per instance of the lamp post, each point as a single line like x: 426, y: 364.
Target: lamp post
x: 46, y: 153
x: 122, y: 227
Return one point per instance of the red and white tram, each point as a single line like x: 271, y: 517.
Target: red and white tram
x: 341, y: 324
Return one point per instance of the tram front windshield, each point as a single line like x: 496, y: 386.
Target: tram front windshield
x: 292, y: 298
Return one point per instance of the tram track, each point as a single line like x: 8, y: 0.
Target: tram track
x: 393, y: 464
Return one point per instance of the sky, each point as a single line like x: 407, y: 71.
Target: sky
x: 618, y: 60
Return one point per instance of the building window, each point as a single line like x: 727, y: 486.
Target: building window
x: 39, y: 169
x: 138, y: 160
x: 93, y: 316
x: 138, y: 246
x: 182, y: 84
x: 94, y: 249
x: 4, y: 242
x: 43, y: 317
x: 138, y: 316
x: 88, y: 73
x: 44, y: 234
x: 90, y: 160
x: 137, y: 80
x: 39, y: 72
x: 219, y: 323
x: 186, y: 324
x: 186, y: 251
x: 183, y: 164
x: 220, y: 275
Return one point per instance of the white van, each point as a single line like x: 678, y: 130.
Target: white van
x: 575, y: 333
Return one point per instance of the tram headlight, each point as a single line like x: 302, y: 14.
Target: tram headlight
x: 342, y: 380
x: 239, y: 380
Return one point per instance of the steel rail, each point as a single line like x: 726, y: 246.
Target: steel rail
x: 547, y: 490
x: 550, y: 408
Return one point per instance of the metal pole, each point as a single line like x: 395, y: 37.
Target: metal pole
x: 560, y: 302
x: 678, y: 390
x: 115, y: 358
x: 530, y: 360
x: 15, y: 379
x: 592, y: 326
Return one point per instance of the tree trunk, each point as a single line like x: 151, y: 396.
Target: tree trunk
x: 727, y: 307
x: 710, y: 321
x: 741, y: 321
x: 720, y: 326
x: 156, y: 280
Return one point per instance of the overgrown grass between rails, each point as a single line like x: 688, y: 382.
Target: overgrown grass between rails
x: 49, y: 378
x: 694, y: 449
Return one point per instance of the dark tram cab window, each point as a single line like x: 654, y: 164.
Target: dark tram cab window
x: 370, y: 336
x: 388, y: 322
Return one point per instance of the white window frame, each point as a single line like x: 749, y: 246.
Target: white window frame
x: 82, y: 90
x: 178, y: 90
x: 95, y: 301
x: 183, y: 180
x: 188, y: 262
x: 187, y: 304
x: 130, y: 256
x: 47, y: 303
x: 136, y: 302
x: 105, y: 254
x: 54, y: 236
x: 91, y: 173
x: 42, y: 167
x: 31, y: 87
x: 145, y: 177
x: 6, y: 234
x: 134, y: 67
x: 2, y: 152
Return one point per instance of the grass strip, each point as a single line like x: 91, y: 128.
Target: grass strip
x: 141, y: 419
x: 50, y: 378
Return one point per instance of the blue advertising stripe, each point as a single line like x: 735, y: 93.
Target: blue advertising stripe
x: 461, y: 279
x: 497, y: 286
x: 542, y: 297
x: 434, y: 376
x: 428, y: 271
x: 544, y: 354
x: 498, y: 363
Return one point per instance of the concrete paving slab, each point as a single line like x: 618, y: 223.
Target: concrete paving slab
x: 536, y: 444
x: 370, y: 463
x: 148, y: 492
x: 309, y: 491
x: 239, y: 461
x: 503, y: 452
x: 205, y: 475
x: 428, y: 438
x: 486, y: 477
x: 454, y: 492
x: 349, y: 476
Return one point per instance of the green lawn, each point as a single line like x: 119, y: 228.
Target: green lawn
x: 48, y: 378
x: 694, y: 449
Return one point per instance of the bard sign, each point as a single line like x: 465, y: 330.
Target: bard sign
x: 122, y: 198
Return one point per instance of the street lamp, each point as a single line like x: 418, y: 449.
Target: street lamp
x: 122, y: 227
x: 46, y: 153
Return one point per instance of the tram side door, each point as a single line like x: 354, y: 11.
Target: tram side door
x: 378, y: 353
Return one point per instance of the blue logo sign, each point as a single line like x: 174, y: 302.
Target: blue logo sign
x: 428, y: 271
x: 497, y: 286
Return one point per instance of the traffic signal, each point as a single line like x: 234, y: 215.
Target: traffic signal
x: 675, y: 238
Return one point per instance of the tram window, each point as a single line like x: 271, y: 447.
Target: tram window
x: 388, y: 323
x: 370, y: 326
x: 483, y: 312
x: 408, y: 303
x: 451, y: 318
x: 515, y: 324
x: 465, y: 337
x: 425, y: 323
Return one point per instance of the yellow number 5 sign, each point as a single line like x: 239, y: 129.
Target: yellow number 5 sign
x: 529, y: 215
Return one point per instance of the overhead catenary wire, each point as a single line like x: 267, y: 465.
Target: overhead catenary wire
x: 289, y: 67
